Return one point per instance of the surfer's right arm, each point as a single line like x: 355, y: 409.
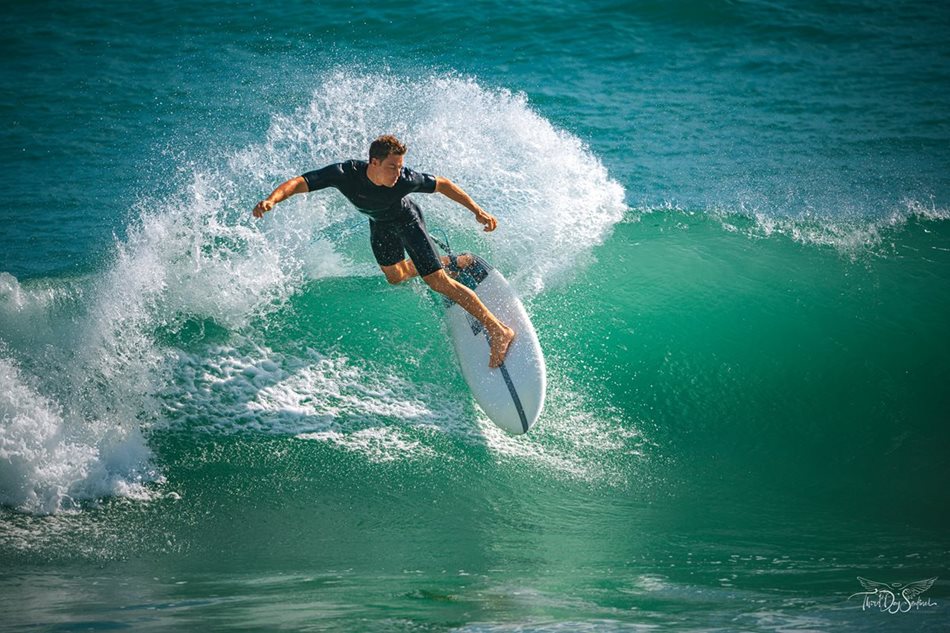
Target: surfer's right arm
x: 281, y: 193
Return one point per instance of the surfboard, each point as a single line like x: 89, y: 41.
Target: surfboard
x: 512, y: 395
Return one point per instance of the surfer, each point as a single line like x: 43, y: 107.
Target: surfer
x: 378, y: 188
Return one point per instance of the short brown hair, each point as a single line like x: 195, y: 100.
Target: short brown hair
x: 385, y: 145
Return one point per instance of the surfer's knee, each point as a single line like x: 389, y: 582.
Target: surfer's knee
x: 394, y: 277
x: 394, y: 280
x: 438, y: 281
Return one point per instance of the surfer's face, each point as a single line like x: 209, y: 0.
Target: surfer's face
x: 385, y: 172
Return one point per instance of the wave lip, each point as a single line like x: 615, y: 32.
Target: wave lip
x: 850, y: 235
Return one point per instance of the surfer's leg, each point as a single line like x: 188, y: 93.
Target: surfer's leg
x: 499, y: 334
x: 401, y: 271
x: 425, y: 262
x: 391, y: 241
x: 388, y: 250
x: 429, y: 266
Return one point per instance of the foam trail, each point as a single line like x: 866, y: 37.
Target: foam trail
x: 373, y: 412
x: 231, y: 389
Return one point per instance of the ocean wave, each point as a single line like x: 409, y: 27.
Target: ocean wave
x: 193, y: 254
x: 849, y: 235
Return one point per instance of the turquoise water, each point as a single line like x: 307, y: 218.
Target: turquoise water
x: 728, y: 221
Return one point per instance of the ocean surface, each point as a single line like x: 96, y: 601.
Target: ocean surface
x: 729, y: 221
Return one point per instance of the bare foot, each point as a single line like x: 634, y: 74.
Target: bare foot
x: 500, y: 341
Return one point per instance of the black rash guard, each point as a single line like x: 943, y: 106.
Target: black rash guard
x: 396, y: 224
x: 381, y: 204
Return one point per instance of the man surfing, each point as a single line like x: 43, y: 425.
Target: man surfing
x: 378, y: 188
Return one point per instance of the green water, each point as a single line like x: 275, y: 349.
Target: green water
x: 726, y: 445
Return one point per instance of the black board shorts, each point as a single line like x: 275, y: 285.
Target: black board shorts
x: 392, y: 240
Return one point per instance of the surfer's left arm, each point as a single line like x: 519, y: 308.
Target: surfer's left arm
x: 453, y: 192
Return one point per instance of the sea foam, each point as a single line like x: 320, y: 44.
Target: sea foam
x: 49, y: 464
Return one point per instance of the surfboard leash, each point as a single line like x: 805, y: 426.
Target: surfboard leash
x: 443, y: 243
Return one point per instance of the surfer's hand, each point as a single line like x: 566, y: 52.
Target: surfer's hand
x: 263, y: 207
x: 487, y: 219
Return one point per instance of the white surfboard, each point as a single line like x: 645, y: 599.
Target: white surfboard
x: 512, y: 395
